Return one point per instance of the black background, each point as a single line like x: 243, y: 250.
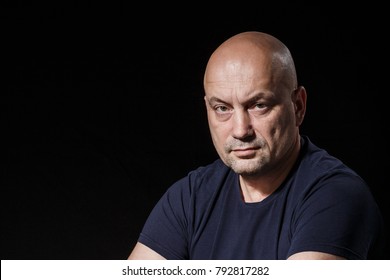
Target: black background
x: 102, y: 110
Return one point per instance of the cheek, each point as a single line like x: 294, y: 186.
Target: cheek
x: 218, y: 131
x: 274, y: 127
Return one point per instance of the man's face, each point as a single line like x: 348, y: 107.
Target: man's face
x: 251, y: 117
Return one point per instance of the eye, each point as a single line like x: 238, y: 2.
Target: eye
x: 221, y: 109
x: 259, y: 108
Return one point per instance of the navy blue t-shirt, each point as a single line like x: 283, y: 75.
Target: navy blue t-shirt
x: 321, y: 206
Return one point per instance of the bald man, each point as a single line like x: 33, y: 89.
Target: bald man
x: 272, y: 194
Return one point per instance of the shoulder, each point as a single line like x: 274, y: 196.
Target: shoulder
x: 325, y: 177
x: 317, y: 164
x: 202, y: 181
x: 211, y: 173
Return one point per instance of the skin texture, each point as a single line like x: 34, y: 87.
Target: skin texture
x: 254, y: 109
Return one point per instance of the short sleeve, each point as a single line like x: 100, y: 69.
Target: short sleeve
x: 165, y: 230
x: 339, y: 216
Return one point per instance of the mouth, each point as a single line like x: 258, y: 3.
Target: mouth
x: 245, y: 152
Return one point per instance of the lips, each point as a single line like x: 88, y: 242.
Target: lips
x: 245, y: 152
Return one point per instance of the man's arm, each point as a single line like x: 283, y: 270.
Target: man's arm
x: 312, y: 255
x: 142, y: 252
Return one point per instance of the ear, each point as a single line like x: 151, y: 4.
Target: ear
x: 206, y: 101
x: 299, y: 99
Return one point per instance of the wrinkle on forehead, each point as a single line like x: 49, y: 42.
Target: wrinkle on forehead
x: 234, y: 76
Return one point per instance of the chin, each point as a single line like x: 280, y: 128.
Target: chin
x: 246, y: 167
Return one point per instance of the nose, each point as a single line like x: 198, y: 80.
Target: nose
x: 242, y: 125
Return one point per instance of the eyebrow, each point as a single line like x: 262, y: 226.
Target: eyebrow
x: 253, y: 99
x: 215, y: 99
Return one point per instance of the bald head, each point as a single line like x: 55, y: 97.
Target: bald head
x: 251, y: 55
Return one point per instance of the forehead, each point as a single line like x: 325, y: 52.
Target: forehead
x: 239, y: 95
x: 243, y: 75
x: 235, y: 67
x: 239, y: 84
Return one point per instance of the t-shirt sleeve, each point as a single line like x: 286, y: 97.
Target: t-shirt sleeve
x: 339, y: 216
x: 165, y: 230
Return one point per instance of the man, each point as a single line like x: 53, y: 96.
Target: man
x: 272, y: 194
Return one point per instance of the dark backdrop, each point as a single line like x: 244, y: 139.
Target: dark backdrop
x: 103, y: 110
